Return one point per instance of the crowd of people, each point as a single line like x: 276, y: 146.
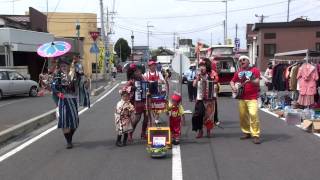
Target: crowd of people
x: 203, y: 87
x: 70, y: 88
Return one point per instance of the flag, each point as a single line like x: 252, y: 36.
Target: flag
x: 101, y: 58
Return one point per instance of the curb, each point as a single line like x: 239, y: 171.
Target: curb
x: 38, y: 121
x: 27, y: 126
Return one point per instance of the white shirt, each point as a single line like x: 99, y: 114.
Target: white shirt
x: 146, y: 75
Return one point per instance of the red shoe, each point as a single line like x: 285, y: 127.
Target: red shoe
x: 143, y: 136
x: 200, y: 135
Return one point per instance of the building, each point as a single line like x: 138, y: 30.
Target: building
x: 20, y: 36
x: 187, y: 48
x: 266, y: 39
x: 63, y: 25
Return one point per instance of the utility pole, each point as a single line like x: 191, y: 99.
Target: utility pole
x: 174, y: 42
x: 261, y: 18
x: 47, y: 8
x: 148, y: 26
x: 288, y: 10
x: 224, y: 31
x: 236, y: 31
x: 211, y: 40
x: 226, y: 22
x: 103, y: 35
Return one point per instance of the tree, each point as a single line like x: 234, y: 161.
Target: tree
x: 122, y: 49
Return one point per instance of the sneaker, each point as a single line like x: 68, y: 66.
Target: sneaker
x: 119, y: 144
x: 69, y: 146
x: 143, y: 136
x: 177, y: 142
x: 245, y: 136
x: 256, y: 140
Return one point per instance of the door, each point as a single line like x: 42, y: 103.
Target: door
x: 4, y: 83
x: 18, y: 84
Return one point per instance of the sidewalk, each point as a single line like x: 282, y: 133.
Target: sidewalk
x: 28, y: 114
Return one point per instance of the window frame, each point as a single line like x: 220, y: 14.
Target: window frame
x: 270, y: 36
x: 265, y: 50
x: 317, y: 46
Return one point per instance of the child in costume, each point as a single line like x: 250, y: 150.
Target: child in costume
x: 124, y: 116
x: 176, y: 115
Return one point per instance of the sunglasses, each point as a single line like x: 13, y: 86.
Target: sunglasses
x: 242, y: 60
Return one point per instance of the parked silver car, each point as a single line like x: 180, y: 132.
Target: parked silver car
x: 13, y: 83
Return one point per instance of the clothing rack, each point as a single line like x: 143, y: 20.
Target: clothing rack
x: 309, y: 55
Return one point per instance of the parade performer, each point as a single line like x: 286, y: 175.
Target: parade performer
x: 176, y: 117
x: 248, y: 78
x: 201, y: 82
x: 134, y: 76
x: 152, y: 74
x: 124, y: 116
x: 154, y: 78
x: 83, y: 91
x: 65, y: 87
x: 214, y: 73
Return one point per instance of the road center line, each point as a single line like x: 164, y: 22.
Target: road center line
x: 176, y: 163
x: 36, y: 138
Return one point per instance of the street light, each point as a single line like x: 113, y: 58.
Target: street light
x: 148, y: 26
x: 78, y: 35
x: 132, y: 39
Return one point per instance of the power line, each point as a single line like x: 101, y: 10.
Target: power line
x: 10, y: 1
x: 200, y: 1
x: 55, y: 9
x: 204, y: 14
x: 190, y: 31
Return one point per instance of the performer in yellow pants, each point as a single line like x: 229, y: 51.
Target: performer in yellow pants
x: 245, y: 85
x: 249, y: 119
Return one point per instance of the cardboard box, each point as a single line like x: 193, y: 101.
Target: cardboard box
x: 311, y: 125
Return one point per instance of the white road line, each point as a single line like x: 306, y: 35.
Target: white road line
x: 273, y: 114
x: 102, y: 97
x: 36, y: 138
x: 176, y: 163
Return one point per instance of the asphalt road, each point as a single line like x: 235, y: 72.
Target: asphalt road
x: 17, y: 109
x: 287, y: 153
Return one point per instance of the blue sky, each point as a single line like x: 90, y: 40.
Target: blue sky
x: 189, y: 18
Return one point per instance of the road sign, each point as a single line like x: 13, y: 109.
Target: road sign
x: 237, y: 41
x: 94, y: 48
x: 237, y: 44
x: 94, y: 35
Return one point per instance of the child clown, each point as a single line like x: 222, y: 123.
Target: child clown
x: 176, y: 115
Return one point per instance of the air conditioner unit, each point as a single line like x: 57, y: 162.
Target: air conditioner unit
x: 14, y: 47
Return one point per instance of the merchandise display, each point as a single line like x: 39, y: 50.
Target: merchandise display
x: 294, y: 95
